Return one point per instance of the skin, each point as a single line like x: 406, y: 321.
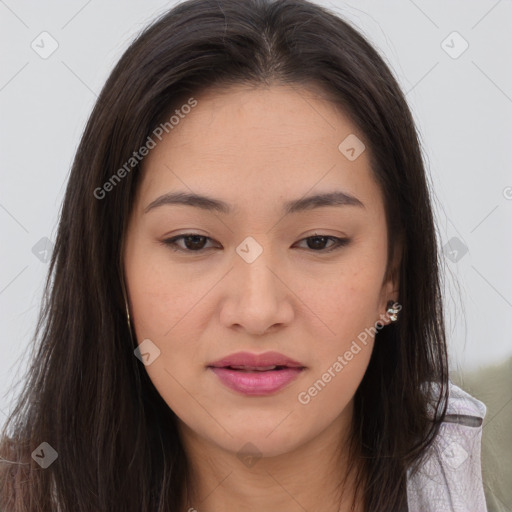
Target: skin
x: 255, y: 148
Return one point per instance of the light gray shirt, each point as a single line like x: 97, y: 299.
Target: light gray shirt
x: 451, y: 478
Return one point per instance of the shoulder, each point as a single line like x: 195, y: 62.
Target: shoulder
x: 461, y: 403
x: 450, y: 478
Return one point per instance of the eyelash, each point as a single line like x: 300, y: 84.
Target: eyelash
x: 338, y: 242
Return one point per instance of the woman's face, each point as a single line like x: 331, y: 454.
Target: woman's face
x: 254, y: 278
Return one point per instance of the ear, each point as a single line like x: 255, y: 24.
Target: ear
x: 391, y: 282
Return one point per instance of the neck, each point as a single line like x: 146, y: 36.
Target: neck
x: 314, y: 476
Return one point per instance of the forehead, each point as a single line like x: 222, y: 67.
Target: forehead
x: 252, y: 142
x: 268, y: 119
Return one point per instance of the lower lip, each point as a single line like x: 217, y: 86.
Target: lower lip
x: 256, y: 383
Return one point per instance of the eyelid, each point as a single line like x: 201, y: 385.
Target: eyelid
x: 171, y: 242
x: 339, y: 243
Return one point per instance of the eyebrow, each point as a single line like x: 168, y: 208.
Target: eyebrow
x: 335, y: 198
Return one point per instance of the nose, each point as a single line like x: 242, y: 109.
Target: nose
x: 258, y: 298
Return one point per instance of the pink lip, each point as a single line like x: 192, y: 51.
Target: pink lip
x: 256, y: 382
x: 255, y: 360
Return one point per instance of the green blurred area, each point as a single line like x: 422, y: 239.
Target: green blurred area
x: 493, y: 386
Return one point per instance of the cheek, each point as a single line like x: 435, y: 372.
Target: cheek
x: 341, y: 356
x: 162, y: 295
x: 348, y: 305
x: 163, y: 310
x: 333, y: 383
x: 173, y: 324
x: 348, y: 299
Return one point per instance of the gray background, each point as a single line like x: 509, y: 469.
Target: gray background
x: 462, y: 106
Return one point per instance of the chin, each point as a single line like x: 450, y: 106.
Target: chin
x: 268, y: 438
x: 257, y: 445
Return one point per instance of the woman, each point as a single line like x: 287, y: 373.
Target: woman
x: 245, y: 310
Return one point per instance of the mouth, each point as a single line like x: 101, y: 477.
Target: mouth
x: 256, y: 375
x: 268, y: 361
x: 249, y: 369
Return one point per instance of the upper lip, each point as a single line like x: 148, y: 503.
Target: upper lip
x: 256, y: 360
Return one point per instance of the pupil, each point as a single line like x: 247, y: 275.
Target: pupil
x: 195, y: 239
x: 312, y: 240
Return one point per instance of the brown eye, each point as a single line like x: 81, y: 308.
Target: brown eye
x: 318, y: 243
x: 193, y: 242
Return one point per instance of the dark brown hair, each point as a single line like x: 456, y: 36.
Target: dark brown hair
x: 88, y: 396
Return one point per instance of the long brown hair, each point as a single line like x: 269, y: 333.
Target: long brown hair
x: 85, y: 393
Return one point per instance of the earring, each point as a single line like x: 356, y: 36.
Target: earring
x: 127, y: 310
x: 128, y: 315
x: 393, y: 310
